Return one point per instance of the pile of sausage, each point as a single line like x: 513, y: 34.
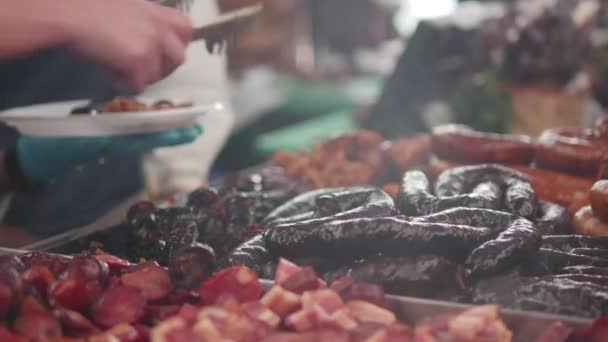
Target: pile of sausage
x: 562, y: 164
x: 477, y: 223
x: 567, y: 275
x: 210, y: 223
x: 51, y: 298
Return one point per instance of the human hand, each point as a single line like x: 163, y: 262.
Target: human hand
x: 44, y: 159
x: 138, y: 42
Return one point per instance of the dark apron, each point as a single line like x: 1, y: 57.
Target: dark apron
x: 81, y: 196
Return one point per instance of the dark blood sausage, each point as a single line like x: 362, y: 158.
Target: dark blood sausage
x: 519, y: 197
x: 327, y: 205
x: 459, y: 143
x: 415, y: 197
x: 192, y: 264
x: 514, y: 238
x: 565, y: 243
x: 252, y: 254
x: 563, y: 296
x: 183, y: 233
x: 422, y: 275
x: 594, y: 252
x: 552, y: 219
x: 369, y: 236
x: 584, y: 278
x: 370, y: 202
x: 516, y: 243
x: 336, y: 203
x: 299, y: 205
x: 570, y: 150
x: 549, y: 261
x: 494, y: 220
x: 590, y: 270
x: 498, y: 289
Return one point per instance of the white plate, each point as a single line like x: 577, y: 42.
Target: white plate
x: 55, y: 120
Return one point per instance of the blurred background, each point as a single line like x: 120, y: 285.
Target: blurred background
x: 307, y: 70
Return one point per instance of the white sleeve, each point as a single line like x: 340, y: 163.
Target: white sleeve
x: 203, y: 78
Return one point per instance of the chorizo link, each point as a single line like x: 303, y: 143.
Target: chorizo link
x: 569, y: 150
x: 462, y: 144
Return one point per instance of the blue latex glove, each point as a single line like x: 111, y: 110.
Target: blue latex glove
x: 44, y: 159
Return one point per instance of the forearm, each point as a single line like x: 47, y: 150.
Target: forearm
x: 30, y: 25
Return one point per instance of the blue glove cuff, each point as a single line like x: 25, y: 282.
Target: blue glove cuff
x: 17, y: 178
x: 43, y: 159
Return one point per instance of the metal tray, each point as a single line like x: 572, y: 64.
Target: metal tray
x: 526, y: 326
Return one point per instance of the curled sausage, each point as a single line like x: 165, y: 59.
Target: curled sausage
x: 571, y: 189
x: 415, y: 197
x: 462, y: 144
x: 569, y: 150
x: 519, y: 197
x: 516, y: 239
x: 519, y: 241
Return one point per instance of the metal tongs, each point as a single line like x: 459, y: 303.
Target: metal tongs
x: 223, y: 29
